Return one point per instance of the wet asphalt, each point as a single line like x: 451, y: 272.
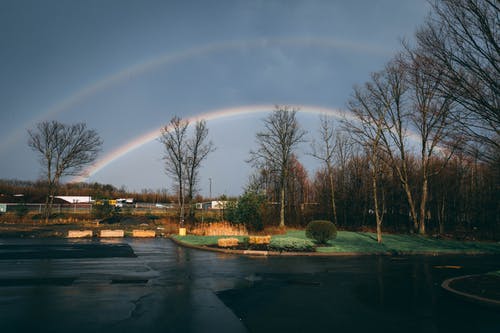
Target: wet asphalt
x: 153, y: 285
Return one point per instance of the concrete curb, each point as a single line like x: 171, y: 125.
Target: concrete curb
x: 469, y: 297
x: 320, y: 254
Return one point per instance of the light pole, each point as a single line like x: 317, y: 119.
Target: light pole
x: 210, y: 188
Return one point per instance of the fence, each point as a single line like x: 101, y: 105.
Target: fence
x: 56, y: 208
x: 85, y: 208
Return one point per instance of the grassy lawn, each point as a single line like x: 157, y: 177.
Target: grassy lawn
x: 203, y: 240
x: 495, y: 273
x: 365, y: 242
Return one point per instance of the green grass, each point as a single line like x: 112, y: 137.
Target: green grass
x: 204, y: 240
x: 495, y: 273
x: 367, y: 242
x: 364, y: 242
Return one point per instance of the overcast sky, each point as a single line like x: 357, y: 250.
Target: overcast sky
x: 126, y: 67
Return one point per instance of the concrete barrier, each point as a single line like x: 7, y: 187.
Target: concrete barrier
x: 79, y: 233
x: 143, y: 233
x: 259, y: 239
x: 111, y: 233
x: 227, y: 242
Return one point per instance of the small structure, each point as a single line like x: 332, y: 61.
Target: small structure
x: 74, y: 199
x: 214, y: 205
x: 144, y: 233
x: 121, y: 202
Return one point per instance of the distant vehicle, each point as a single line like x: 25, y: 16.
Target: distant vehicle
x: 121, y: 202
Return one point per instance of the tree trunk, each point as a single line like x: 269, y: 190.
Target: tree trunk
x: 332, y: 192
x: 423, y: 204
x: 47, y: 209
x: 442, y: 216
x: 411, y: 203
x: 378, y: 218
x: 49, y: 201
x: 282, y: 205
x: 181, y: 204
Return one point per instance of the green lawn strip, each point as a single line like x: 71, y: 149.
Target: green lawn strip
x: 204, y: 240
x: 495, y: 273
x: 365, y: 242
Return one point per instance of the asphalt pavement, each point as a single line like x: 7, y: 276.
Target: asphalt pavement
x: 153, y: 285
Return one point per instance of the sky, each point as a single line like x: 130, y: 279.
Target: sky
x: 125, y: 68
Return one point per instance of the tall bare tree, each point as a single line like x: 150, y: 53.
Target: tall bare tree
x: 198, y: 149
x: 64, y: 151
x: 183, y: 157
x: 324, y: 150
x: 463, y: 39
x: 388, y: 89
x: 276, y: 144
x: 174, y: 137
x: 430, y: 118
x: 370, y: 113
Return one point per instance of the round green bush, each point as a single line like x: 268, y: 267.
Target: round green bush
x: 321, y: 231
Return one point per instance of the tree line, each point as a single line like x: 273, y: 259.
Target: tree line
x: 23, y: 191
x: 423, y: 151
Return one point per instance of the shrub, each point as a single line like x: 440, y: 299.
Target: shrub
x: 247, y: 211
x: 152, y: 217
x: 52, y: 216
x: 321, y: 231
x: 291, y: 244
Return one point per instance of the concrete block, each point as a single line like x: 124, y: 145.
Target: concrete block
x: 79, y: 233
x: 259, y: 239
x: 227, y: 242
x: 111, y: 233
x: 143, y: 233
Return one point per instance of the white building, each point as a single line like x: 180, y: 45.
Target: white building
x: 75, y: 198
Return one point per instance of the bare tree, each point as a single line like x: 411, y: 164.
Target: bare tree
x: 276, y: 144
x: 173, y: 136
x: 370, y: 113
x: 64, y: 151
x: 183, y: 157
x: 404, y: 96
x: 430, y: 118
x: 197, y: 151
x: 388, y: 88
x: 325, y: 152
x: 463, y: 39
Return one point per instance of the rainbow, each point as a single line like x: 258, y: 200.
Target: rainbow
x: 174, y: 57
x: 207, y: 116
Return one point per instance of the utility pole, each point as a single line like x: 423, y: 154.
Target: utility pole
x: 210, y: 188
